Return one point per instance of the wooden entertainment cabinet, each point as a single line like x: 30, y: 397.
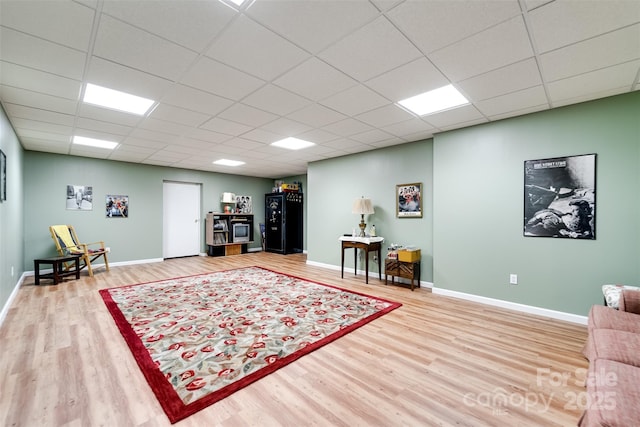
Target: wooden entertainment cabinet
x: 220, y: 237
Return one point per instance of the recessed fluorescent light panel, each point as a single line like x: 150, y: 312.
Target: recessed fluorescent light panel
x: 226, y: 162
x: 441, y: 99
x: 97, y: 143
x: 116, y: 100
x: 293, y: 143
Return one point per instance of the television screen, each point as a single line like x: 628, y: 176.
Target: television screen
x: 241, y: 232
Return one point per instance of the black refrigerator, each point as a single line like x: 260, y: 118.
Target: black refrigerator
x: 283, y: 222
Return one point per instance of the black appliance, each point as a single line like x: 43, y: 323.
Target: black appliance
x: 283, y: 219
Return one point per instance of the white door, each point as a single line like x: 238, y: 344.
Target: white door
x: 181, y: 219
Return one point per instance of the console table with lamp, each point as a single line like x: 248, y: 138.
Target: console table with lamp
x: 362, y: 206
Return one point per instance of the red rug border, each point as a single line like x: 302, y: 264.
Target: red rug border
x: 166, y: 395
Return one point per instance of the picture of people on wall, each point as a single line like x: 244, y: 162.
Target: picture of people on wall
x: 117, y: 206
x: 559, y: 197
x: 409, y: 200
x: 243, y: 204
x: 80, y: 197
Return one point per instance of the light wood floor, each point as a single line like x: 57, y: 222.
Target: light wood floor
x: 434, y: 361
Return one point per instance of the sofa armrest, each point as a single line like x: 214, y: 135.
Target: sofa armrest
x: 630, y: 301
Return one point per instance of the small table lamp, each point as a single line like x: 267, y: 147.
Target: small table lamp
x: 228, y: 199
x: 362, y: 206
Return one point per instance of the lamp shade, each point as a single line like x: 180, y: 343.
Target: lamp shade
x: 228, y: 198
x: 362, y: 206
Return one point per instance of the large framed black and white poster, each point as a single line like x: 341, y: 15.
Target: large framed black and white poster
x: 560, y: 197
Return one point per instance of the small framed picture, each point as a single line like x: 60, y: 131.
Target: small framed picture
x: 79, y: 197
x: 117, y: 206
x: 409, y: 200
x: 243, y: 205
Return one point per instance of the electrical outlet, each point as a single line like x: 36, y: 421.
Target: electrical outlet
x: 375, y: 257
x: 513, y: 279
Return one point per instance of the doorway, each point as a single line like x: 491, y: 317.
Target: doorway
x: 181, y: 219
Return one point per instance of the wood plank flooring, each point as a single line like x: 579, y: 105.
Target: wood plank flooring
x: 434, y: 361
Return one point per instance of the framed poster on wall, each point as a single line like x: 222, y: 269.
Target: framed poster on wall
x: 409, y: 200
x: 560, y: 197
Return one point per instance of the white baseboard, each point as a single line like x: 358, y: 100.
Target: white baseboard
x: 14, y: 293
x: 559, y: 315
x: 371, y: 273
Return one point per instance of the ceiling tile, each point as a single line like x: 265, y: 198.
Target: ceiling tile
x: 106, y: 115
x: 39, y: 81
x: 355, y: 100
x: 100, y: 126
x: 610, y: 80
x: 276, y: 100
x: 39, y: 54
x: 212, y: 76
x: 174, y: 114
x: 37, y: 100
x: 247, y: 115
x: 313, y: 25
x: 373, y: 136
x: 195, y: 100
x: 263, y: 136
x: 385, y: 116
x: 514, y: 77
x: 432, y: 25
x: 29, y: 113
x: 347, y: 127
x: 316, y: 115
x: 47, y: 145
x: 408, y: 127
x: 228, y: 127
x: 207, y: 135
x: 599, y: 52
x: 515, y: 101
x: 317, y: 136
x: 149, y: 53
x: 252, y: 48
x: 496, y: 47
x: 354, y: 53
x: 31, y: 124
x: 326, y: 80
x: 189, y: 23
x: 64, y: 22
x: 286, y: 127
x: 408, y: 80
x: 115, y: 76
x: 134, y: 141
x: 561, y: 23
x: 151, y: 135
x: 454, y: 116
x: 83, y: 151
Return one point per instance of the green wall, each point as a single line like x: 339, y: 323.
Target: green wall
x: 11, y: 215
x: 136, y: 238
x: 335, y: 183
x: 470, y: 234
x: 478, y: 207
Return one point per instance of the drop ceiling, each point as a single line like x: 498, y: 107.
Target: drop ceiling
x: 229, y: 83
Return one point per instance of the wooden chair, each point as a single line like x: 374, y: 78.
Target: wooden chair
x: 67, y: 243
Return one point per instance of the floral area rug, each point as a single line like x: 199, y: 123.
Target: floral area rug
x: 198, y: 339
